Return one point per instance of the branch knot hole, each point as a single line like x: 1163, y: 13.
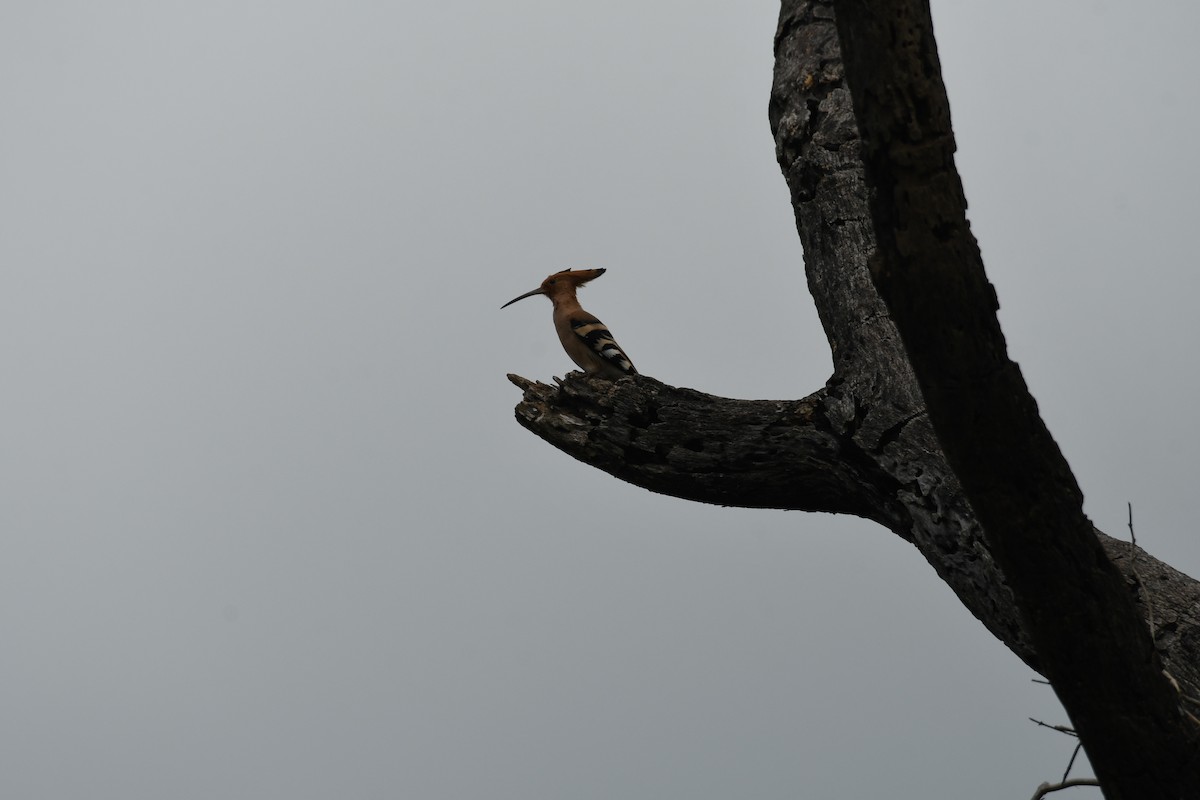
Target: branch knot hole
x: 646, y: 417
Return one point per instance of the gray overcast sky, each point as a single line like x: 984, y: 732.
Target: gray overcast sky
x: 269, y: 528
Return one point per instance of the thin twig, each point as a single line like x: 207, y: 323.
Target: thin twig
x: 1137, y: 578
x: 1071, y: 763
x: 1059, y: 728
x: 1065, y: 783
x: 1047, y: 788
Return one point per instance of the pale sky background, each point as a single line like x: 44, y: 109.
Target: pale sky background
x: 269, y: 527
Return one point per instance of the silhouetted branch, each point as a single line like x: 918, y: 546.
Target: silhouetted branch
x: 680, y: 442
x: 864, y: 444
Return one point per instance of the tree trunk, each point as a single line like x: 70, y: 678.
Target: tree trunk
x: 1078, y: 611
x: 865, y: 443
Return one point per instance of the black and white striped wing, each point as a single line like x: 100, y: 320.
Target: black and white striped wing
x: 601, y: 344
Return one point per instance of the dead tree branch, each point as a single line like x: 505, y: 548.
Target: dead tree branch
x: 864, y: 444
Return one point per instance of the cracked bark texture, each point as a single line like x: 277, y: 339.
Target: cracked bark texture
x: 863, y: 444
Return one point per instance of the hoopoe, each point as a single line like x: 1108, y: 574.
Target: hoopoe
x: 585, y: 338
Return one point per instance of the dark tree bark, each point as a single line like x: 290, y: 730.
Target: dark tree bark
x: 1078, y: 611
x: 991, y: 504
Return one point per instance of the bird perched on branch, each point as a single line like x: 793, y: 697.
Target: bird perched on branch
x: 585, y: 338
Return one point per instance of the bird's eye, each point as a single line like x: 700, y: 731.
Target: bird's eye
x: 552, y: 282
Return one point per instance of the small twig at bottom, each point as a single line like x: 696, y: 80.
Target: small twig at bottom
x: 1065, y: 783
x: 1047, y: 788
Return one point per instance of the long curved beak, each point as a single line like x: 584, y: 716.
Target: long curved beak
x: 522, y: 297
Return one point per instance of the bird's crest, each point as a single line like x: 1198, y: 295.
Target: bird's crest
x: 562, y: 282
